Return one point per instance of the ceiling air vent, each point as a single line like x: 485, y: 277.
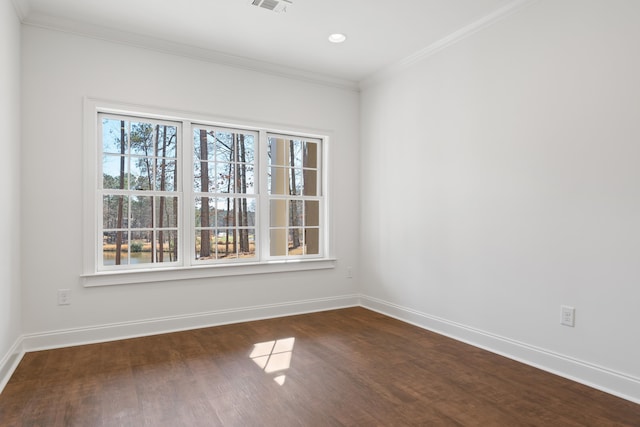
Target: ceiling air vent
x: 274, y: 5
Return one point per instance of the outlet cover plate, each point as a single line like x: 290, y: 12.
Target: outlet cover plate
x: 64, y: 296
x: 568, y: 316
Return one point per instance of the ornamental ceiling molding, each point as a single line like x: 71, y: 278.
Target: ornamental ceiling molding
x: 453, y: 38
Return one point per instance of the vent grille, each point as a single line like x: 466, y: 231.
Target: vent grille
x: 273, y: 5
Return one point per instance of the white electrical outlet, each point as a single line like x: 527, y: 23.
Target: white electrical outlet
x: 568, y: 315
x: 349, y: 272
x: 64, y: 296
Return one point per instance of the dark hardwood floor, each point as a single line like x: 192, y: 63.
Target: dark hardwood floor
x: 350, y: 367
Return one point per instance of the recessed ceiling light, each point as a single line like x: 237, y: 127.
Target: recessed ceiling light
x: 337, y: 38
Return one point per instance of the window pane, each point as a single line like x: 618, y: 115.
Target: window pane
x: 166, y: 212
x: 245, y: 178
x: 278, y: 213
x: 295, y: 153
x: 226, y: 211
x: 205, y: 212
x: 243, y: 148
x: 312, y: 213
x: 310, y: 182
x: 141, y: 173
x: 251, y: 209
x: 278, y: 180
x: 224, y: 146
x: 166, y: 141
x: 226, y: 240
x: 247, y: 242
x: 204, y: 244
x: 203, y: 144
x: 278, y: 152
x: 112, y: 136
x: 249, y: 149
x: 220, y: 209
x: 312, y: 241
x: 141, y: 212
x: 140, y: 247
x: 166, y: 246
x: 225, y: 182
x: 165, y: 175
x: 310, y: 155
x: 115, y: 212
x: 246, y: 212
x: 111, y: 167
x: 206, y: 183
x: 111, y: 242
x: 295, y: 241
x: 295, y: 182
x: 295, y: 213
x: 142, y: 138
x: 278, y: 242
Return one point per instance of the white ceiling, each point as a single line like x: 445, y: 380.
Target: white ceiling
x: 380, y: 32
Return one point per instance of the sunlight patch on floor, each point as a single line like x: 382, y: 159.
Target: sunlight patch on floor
x: 274, y: 357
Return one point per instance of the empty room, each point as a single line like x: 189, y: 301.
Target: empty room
x: 314, y: 213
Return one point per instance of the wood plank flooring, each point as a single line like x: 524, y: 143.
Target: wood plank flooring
x: 350, y: 367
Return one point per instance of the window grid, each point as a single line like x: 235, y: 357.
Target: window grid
x: 225, y: 200
x: 141, y: 199
x: 138, y: 191
x: 295, y: 198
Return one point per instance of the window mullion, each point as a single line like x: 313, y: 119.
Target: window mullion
x: 155, y: 200
x: 264, y: 200
x: 186, y: 231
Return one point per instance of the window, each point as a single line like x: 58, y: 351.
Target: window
x: 294, y: 196
x: 173, y: 193
x: 139, y: 191
x: 225, y: 197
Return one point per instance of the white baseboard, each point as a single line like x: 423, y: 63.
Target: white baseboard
x: 117, y: 331
x: 124, y: 330
x: 9, y: 362
x: 600, y: 378
x: 609, y: 381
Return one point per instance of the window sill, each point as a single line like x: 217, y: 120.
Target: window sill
x: 111, y: 278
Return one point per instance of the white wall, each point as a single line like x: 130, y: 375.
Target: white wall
x: 501, y: 179
x: 59, y: 70
x: 10, y: 309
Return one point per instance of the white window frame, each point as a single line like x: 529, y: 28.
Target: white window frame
x: 178, y: 193
x: 256, y: 195
x: 268, y: 197
x: 188, y: 267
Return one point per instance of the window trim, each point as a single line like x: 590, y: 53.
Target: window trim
x: 91, y: 276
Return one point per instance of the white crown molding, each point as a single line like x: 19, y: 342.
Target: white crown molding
x: 459, y: 35
x: 166, y: 46
x: 589, y: 374
x: 28, y: 17
x: 22, y: 8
